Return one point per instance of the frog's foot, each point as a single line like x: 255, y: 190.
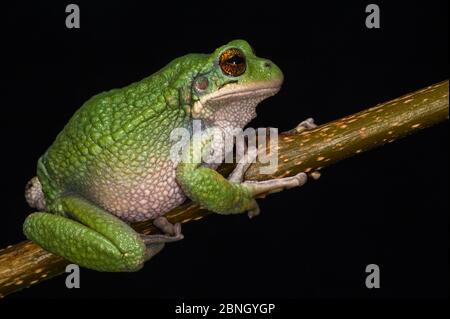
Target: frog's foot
x: 263, y: 188
x: 239, y: 171
x: 315, y: 175
x: 254, y: 211
x: 307, y: 124
x: 170, y: 231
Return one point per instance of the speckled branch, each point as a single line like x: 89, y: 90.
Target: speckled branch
x: 25, y: 264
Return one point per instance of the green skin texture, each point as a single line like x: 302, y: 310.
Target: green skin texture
x: 115, y: 133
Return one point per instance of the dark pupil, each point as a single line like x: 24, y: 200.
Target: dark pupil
x: 235, y: 59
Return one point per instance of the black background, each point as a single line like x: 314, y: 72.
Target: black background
x: 388, y: 206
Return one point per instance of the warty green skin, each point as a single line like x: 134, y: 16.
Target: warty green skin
x: 110, y: 164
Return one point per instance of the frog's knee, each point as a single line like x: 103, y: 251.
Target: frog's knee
x: 131, y: 262
x: 34, y: 195
x: 135, y: 260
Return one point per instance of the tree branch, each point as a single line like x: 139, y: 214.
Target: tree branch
x: 25, y: 264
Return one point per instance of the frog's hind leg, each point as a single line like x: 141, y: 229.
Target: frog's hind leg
x: 92, y: 237
x: 171, y: 232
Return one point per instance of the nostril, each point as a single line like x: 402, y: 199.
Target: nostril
x: 267, y: 65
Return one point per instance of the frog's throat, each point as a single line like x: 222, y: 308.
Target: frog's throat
x: 234, y: 102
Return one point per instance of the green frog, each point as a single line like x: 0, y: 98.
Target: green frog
x: 111, y: 164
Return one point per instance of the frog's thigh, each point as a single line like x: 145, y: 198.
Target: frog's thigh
x: 75, y: 242
x: 93, y: 238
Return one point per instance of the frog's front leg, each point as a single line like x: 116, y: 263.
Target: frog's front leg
x: 307, y: 124
x: 237, y: 175
x: 92, y: 237
x: 261, y: 189
x: 210, y: 189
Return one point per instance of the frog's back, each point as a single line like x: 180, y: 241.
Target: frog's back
x: 115, y: 144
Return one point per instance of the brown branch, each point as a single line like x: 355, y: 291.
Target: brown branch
x: 25, y: 264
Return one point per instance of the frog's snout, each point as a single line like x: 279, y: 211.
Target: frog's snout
x: 271, y: 71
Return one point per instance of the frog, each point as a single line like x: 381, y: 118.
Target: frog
x: 110, y: 166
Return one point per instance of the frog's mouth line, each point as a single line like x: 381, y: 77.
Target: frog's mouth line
x: 245, y: 93
x: 235, y: 91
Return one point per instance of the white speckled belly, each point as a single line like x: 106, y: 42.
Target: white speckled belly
x: 133, y: 197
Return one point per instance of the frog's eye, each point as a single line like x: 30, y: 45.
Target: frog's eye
x: 232, y: 62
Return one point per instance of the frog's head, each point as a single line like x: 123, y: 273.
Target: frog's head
x: 229, y: 84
